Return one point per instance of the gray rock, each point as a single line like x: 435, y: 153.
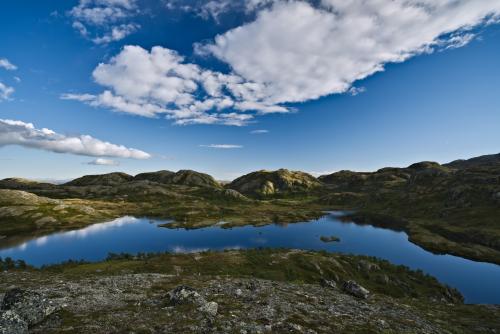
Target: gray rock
x: 12, y: 323
x: 353, y: 288
x: 328, y: 283
x: 187, y: 295
x: 209, y: 308
x: 367, y: 266
x: 184, y: 295
x: 29, y: 305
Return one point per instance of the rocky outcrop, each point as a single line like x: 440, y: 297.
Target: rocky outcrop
x: 353, y: 288
x: 21, y: 309
x: 267, y: 183
x: 18, y: 197
x: 231, y: 194
x: 12, y: 323
x: 187, y: 295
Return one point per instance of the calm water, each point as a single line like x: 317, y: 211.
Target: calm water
x: 478, y: 282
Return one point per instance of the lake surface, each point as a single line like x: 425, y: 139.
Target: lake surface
x: 478, y: 282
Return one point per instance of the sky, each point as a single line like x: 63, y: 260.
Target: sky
x: 228, y: 87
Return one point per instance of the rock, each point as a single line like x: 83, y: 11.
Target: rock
x: 31, y: 306
x: 187, y: 295
x: 367, y: 266
x: 353, y: 288
x: 184, y: 295
x: 328, y: 284
x: 209, y: 308
x: 45, y: 220
x: 12, y: 323
x: 233, y: 194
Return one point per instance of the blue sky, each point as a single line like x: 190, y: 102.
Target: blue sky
x: 335, y: 85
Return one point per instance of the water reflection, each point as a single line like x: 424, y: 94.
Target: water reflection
x: 477, y: 281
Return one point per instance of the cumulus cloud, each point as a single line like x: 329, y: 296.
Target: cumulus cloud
x: 103, y: 162
x: 222, y: 146
x: 105, y: 21
x: 160, y: 82
x: 6, y: 64
x: 293, y: 51
x: 25, y: 134
x: 299, y: 51
x: 5, y: 92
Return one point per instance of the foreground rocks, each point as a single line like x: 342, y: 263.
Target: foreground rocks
x: 253, y: 291
x: 138, y: 303
x: 21, y: 309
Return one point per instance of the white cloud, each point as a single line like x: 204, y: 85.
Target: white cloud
x: 117, y: 33
x: 25, y: 134
x: 258, y: 132
x: 299, y: 51
x: 105, y: 21
x: 294, y: 51
x: 6, y: 64
x: 216, y: 9
x: 222, y: 146
x: 103, y: 162
x: 5, y: 92
x: 160, y: 82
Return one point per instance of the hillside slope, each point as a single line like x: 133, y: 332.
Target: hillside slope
x: 445, y: 208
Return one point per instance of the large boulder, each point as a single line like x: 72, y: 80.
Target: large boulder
x: 12, y: 323
x: 353, y: 288
x: 23, y: 308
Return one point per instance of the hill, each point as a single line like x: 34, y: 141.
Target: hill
x: 111, y: 179
x: 268, y: 183
x: 491, y: 160
x: 21, y: 184
x: 162, y: 176
x: 450, y: 208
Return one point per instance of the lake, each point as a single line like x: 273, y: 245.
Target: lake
x: 478, y: 282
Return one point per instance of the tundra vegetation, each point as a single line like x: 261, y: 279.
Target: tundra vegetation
x: 452, y: 208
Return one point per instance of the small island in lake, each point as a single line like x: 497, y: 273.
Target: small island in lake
x: 331, y: 238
